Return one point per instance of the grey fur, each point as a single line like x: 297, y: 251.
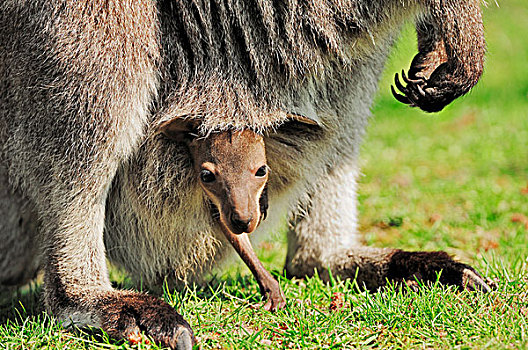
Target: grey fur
x: 84, y: 84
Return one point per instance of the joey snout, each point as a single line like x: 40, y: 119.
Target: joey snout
x: 241, y: 221
x: 240, y: 210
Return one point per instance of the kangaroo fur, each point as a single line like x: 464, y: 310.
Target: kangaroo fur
x: 84, y: 84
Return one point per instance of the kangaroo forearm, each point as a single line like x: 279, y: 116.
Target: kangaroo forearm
x: 431, y: 49
x: 459, y: 26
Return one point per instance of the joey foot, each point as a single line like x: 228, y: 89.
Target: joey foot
x: 123, y: 314
x: 425, y: 266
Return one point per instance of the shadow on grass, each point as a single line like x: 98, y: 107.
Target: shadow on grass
x: 19, y: 305
x: 25, y: 322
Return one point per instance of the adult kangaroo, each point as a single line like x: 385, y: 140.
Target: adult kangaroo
x: 85, y: 84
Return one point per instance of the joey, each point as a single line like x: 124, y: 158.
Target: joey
x: 231, y: 168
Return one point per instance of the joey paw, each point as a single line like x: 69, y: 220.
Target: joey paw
x: 125, y: 314
x: 425, y: 266
x: 276, y: 301
x: 271, y: 290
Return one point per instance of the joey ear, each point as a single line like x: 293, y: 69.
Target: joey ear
x: 299, y: 124
x: 304, y: 119
x: 179, y: 128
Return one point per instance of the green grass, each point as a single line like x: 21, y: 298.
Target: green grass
x: 450, y: 181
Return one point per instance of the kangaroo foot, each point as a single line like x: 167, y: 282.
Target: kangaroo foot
x: 124, y: 314
x: 425, y: 266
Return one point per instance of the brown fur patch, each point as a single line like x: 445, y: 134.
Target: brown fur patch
x: 425, y: 266
x: 129, y: 313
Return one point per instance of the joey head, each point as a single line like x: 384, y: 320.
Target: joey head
x: 232, y: 170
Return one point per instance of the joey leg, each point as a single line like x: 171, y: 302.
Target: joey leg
x: 269, y: 286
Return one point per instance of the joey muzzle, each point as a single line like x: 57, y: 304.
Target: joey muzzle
x: 234, y: 218
x: 239, y: 212
x: 240, y: 223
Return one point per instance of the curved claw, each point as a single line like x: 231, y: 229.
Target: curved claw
x: 408, y: 80
x: 472, y: 281
x: 400, y: 97
x: 412, y: 83
x: 399, y: 84
x: 410, y: 94
x: 404, y: 77
x: 420, y: 90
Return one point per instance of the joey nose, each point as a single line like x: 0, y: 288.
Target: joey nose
x: 240, y: 224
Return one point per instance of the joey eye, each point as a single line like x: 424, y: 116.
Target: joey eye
x: 207, y: 176
x: 262, y: 171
